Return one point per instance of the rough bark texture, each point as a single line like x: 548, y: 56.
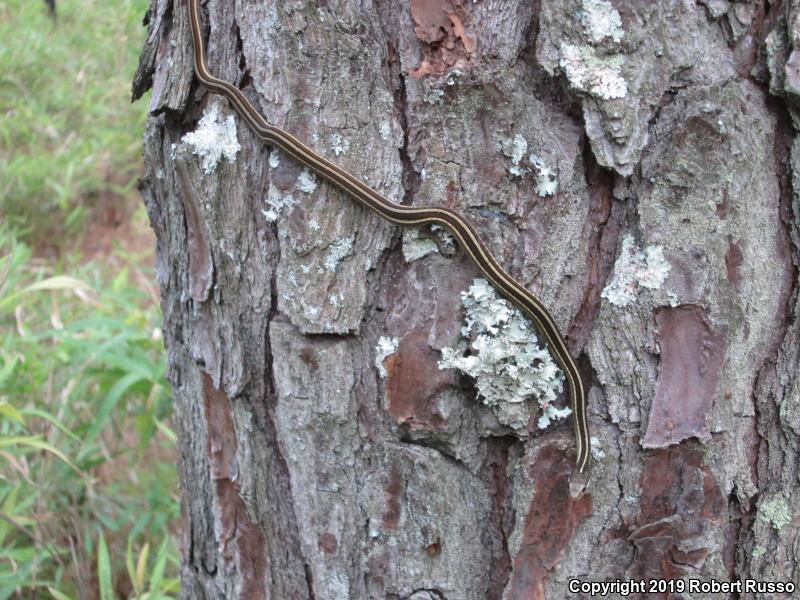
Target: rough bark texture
x: 670, y: 128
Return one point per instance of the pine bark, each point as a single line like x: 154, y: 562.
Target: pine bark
x: 669, y: 255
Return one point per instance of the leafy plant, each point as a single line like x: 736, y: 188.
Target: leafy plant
x: 87, y: 478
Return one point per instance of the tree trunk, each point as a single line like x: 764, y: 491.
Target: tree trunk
x: 633, y: 164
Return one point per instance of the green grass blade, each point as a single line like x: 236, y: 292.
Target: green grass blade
x: 104, y: 571
x: 35, y: 441
x: 114, y: 394
x: 58, y: 595
x: 157, y: 577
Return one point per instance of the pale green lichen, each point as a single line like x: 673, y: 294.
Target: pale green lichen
x: 596, y: 447
x: 339, y: 145
x: 415, y: 247
x: 434, y: 96
x: 758, y: 552
x: 635, y: 269
x: 505, y: 359
x: 776, y: 512
x: 337, y: 251
x: 448, y: 244
x: 307, y: 181
x: 515, y: 149
x: 601, y: 21
x: 276, y: 204
x: 384, y: 348
x: 592, y: 73
x: 546, y: 179
x: 214, y: 138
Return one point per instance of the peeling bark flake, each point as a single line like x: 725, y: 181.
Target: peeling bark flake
x: 413, y: 380
x: 222, y: 442
x: 691, y: 361
x: 235, y: 525
x: 551, y: 522
x: 201, y: 263
x: 681, y: 509
x: 328, y: 543
x: 733, y: 264
x: 393, y: 493
x: 441, y: 27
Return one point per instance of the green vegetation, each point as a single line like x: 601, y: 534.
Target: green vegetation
x: 88, y: 484
x: 69, y: 135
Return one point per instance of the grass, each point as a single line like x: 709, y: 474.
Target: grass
x: 88, y: 484
x: 69, y: 137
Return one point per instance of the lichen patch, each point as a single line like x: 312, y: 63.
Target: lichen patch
x: 307, y: 181
x: 276, y: 203
x: 601, y: 21
x: 416, y: 247
x: 635, y: 269
x: 337, y: 251
x: 776, y: 512
x: 505, y: 359
x: 384, y: 347
x: 214, y: 138
x: 592, y: 73
x: 515, y: 149
x: 545, y: 177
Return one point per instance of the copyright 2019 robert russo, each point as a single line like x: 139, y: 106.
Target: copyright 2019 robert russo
x: 625, y: 587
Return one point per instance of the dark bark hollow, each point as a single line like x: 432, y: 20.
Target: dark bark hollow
x: 633, y: 165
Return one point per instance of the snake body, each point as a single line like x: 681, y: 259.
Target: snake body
x: 458, y: 226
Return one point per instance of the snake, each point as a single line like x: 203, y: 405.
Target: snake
x: 413, y: 216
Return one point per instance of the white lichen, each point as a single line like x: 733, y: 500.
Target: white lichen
x: 505, y: 359
x: 337, y: 251
x: 601, y: 20
x: 596, y: 448
x: 546, y: 179
x: 339, y: 145
x: 434, y: 96
x: 673, y: 299
x: 775, y: 512
x: 313, y: 225
x: 515, y: 149
x: 549, y: 413
x: 307, y: 181
x: 415, y: 247
x: 385, y: 130
x: 591, y: 73
x: 452, y: 79
x: 635, y: 269
x: 274, y: 160
x: 276, y: 203
x: 214, y: 138
x: 447, y: 240
x: 385, y: 347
